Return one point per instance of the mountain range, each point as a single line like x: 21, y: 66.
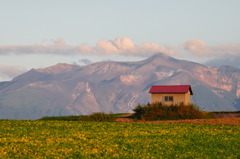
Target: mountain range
x: 115, y: 87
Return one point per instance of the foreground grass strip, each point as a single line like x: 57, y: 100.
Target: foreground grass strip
x: 62, y: 139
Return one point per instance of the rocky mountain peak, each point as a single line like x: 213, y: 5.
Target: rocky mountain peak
x: 58, y: 68
x: 160, y: 57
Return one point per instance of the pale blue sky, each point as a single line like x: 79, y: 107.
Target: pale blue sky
x: 169, y: 22
x: 40, y: 33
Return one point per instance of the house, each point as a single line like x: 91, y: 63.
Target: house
x: 171, y: 94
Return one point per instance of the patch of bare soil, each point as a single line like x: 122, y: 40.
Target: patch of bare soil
x: 125, y: 118
x: 226, y: 115
x: 220, y: 120
x: 216, y: 121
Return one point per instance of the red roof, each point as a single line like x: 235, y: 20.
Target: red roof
x: 171, y: 89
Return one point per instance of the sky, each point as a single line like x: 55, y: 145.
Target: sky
x: 42, y: 33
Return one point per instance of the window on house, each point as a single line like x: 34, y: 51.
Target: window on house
x: 167, y: 98
x: 170, y: 98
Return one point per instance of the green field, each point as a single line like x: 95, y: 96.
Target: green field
x: 73, y: 139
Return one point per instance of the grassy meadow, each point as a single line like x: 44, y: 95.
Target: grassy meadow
x: 76, y: 139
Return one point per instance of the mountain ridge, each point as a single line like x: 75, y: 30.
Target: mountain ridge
x: 110, y: 86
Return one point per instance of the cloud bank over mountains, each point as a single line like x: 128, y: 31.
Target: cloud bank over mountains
x: 121, y: 46
x: 228, y: 54
x: 218, y: 55
x: 200, y: 48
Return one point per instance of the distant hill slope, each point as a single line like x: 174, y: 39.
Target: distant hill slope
x: 115, y: 87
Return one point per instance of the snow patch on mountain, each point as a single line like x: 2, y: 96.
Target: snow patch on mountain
x: 40, y: 85
x: 129, y: 79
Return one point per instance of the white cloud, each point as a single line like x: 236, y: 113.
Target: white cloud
x: 124, y: 44
x: 230, y: 49
x: 200, y: 48
x: 118, y: 46
x: 153, y: 48
x: 106, y: 47
x: 197, y: 47
x: 9, y: 72
x: 56, y: 47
